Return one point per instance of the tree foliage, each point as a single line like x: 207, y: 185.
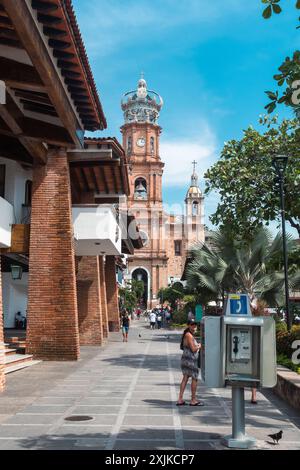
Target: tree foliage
x: 246, y: 181
x: 235, y: 267
x: 130, y: 295
x: 289, y: 75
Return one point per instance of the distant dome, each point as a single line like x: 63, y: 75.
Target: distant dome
x: 194, y: 191
x: 141, y: 105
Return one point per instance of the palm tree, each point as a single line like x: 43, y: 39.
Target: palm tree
x: 233, y: 266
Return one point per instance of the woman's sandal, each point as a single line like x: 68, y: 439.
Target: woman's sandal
x: 180, y: 404
x: 199, y: 403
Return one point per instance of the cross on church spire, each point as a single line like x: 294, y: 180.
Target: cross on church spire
x: 194, y: 163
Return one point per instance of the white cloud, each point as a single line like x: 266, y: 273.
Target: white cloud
x: 199, y: 144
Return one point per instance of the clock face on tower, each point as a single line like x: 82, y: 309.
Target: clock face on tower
x: 141, y: 142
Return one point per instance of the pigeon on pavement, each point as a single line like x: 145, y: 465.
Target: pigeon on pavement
x: 276, y: 437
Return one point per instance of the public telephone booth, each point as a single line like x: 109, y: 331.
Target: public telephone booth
x: 238, y: 350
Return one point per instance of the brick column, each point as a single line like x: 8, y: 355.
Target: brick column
x: 52, y: 328
x: 112, y: 294
x: 89, y: 301
x: 2, y: 376
x: 103, y: 297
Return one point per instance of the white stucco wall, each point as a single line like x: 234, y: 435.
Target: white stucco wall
x: 15, y: 181
x: 15, y: 297
x: 6, y: 221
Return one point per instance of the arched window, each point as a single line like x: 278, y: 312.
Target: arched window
x: 129, y: 145
x: 28, y: 193
x: 140, y: 188
x: 195, y: 210
x: 152, y: 145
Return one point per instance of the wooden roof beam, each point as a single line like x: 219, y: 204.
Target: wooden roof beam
x: 27, y: 29
x: 22, y: 76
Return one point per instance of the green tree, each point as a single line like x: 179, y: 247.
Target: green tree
x: 171, y: 294
x: 246, y: 181
x: 128, y: 299
x: 289, y: 75
x: 137, y: 288
x: 236, y: 267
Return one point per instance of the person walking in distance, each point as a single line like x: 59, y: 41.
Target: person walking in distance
x: 159, y: 320
x: 152, y: 320
x: 125, y: 326
x: 189, y: 363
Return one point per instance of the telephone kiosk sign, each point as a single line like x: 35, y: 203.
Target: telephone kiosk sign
x: 238, y: 305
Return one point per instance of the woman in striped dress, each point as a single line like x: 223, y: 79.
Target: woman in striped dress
x: 189, y: 364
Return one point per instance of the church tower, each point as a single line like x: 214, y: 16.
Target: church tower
x: 141, y: 134
x: 194, y: 204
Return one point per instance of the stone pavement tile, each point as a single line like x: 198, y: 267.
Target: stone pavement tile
x: 32, y: 419
x: 82, y: 431
x: 144, y: 445
x: 45, y: 409
x: 37, y: 444
x: 197, y: 445
x: 147, y: 433
x: 108, y: 390
x: 98, y: 400
x: 163, y: 402
x: 149, y: 393
x: 4, y: 417
x: 148, y: 420
x: 90, y: 444
x: 106, y: 393
x: 94, y: 409
x: 204, y: 433
x: 22, y: 431
x: 64, y: 393
x: 148, y: 410
x: 55, y: 401
x: 7, y: 398
x: 267, y: 422
x: 201, y: 419
x: 201, y: 410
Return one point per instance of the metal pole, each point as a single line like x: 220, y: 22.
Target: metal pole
x: 285, y: 257
x: 238, y: 413
x: 238, y: 439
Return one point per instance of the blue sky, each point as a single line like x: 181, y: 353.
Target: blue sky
x: 210, y: 60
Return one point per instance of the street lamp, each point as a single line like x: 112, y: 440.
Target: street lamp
x: 16, y: 272
x: 279, y: 163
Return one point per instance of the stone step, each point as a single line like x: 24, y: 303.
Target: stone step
x: 17, y: 358
x: 9, y: 352
x: 19, y: 366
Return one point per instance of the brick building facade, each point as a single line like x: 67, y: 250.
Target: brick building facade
x: 71, y: 188
x: 167, y: 238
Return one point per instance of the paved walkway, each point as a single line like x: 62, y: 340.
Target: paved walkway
x: 130, y: 390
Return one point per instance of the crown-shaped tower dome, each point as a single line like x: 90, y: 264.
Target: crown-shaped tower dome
x: 141, y: 105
